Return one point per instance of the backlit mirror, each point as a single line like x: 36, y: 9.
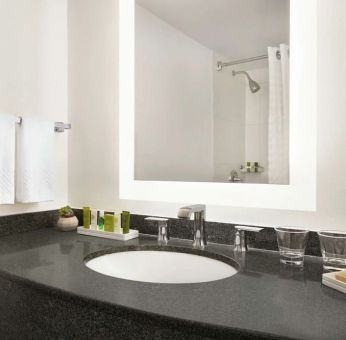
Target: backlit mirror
x: 212, y: 91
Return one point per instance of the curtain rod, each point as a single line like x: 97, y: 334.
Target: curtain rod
x: 220, y: 65
x: 58, y: 126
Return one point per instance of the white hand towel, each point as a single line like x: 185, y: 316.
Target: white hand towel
x: 7, y: 157
x: 35, y: 161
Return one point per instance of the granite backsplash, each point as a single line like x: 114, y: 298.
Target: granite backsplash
x: 223, y: 233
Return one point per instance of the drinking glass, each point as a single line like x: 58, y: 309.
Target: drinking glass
x: 291, y: 242
x: 333, y: 247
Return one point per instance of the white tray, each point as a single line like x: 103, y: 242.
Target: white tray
x: 105, y: 234
x: 329, y: 280
x: 334, y: 286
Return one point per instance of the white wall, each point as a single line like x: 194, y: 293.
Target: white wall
x: 92, y: 58
x: 97, y: 184
x: 33, y: 76
x: 174, y: 98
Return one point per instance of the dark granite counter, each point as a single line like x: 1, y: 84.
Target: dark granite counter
x: 44, y: 279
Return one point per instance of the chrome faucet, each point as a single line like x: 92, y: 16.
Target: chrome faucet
x: 199, y: 234
x: 233, y: 177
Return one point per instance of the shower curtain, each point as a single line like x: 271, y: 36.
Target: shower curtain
x: 278, y: 152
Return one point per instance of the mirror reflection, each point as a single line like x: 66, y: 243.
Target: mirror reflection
x: 212, y: 91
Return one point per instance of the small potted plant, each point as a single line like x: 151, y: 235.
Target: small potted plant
x: 67, y: 220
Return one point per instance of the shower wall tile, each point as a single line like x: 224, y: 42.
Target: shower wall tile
x: 240, y: 123
x: 228, y: 139
x: 257, y: 108
x: 229, y: 122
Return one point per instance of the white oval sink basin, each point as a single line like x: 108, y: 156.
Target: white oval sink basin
x: 161, y: 267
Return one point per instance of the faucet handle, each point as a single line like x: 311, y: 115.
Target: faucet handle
x: 240, y: 243
x: 163, y: 234
x: 247, y: 228
x: 184, y: 212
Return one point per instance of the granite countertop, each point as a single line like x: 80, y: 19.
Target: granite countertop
x: 264, y: 298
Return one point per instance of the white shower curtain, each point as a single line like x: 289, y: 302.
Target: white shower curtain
x: 278, y: 153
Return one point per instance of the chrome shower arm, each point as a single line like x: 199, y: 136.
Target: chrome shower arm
x: 234, y: 73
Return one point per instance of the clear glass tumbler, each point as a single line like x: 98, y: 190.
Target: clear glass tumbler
x: 291, y: 242
x: 333, y: 247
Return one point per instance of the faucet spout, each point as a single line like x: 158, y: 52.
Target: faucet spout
x: 199, y: 234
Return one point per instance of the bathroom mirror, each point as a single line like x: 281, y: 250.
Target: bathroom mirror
x: 212, y: 91
x: 158, y: 151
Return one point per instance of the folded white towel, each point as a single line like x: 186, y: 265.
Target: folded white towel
x: 7, y: 157
x: 35, y: 161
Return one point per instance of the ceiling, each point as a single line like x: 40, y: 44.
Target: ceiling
x: 232, y: 28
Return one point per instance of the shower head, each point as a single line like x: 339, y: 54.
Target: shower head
x: 253, y: 85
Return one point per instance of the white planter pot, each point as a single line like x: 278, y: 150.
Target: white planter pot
x: 67, y: 223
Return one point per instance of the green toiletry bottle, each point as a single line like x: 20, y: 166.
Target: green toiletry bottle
x: 109, y: 222
x: 86, y: 217
x: 117, y: 224
x: 93, y: 219
x: 125, y: 221
x: 101, y: 220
